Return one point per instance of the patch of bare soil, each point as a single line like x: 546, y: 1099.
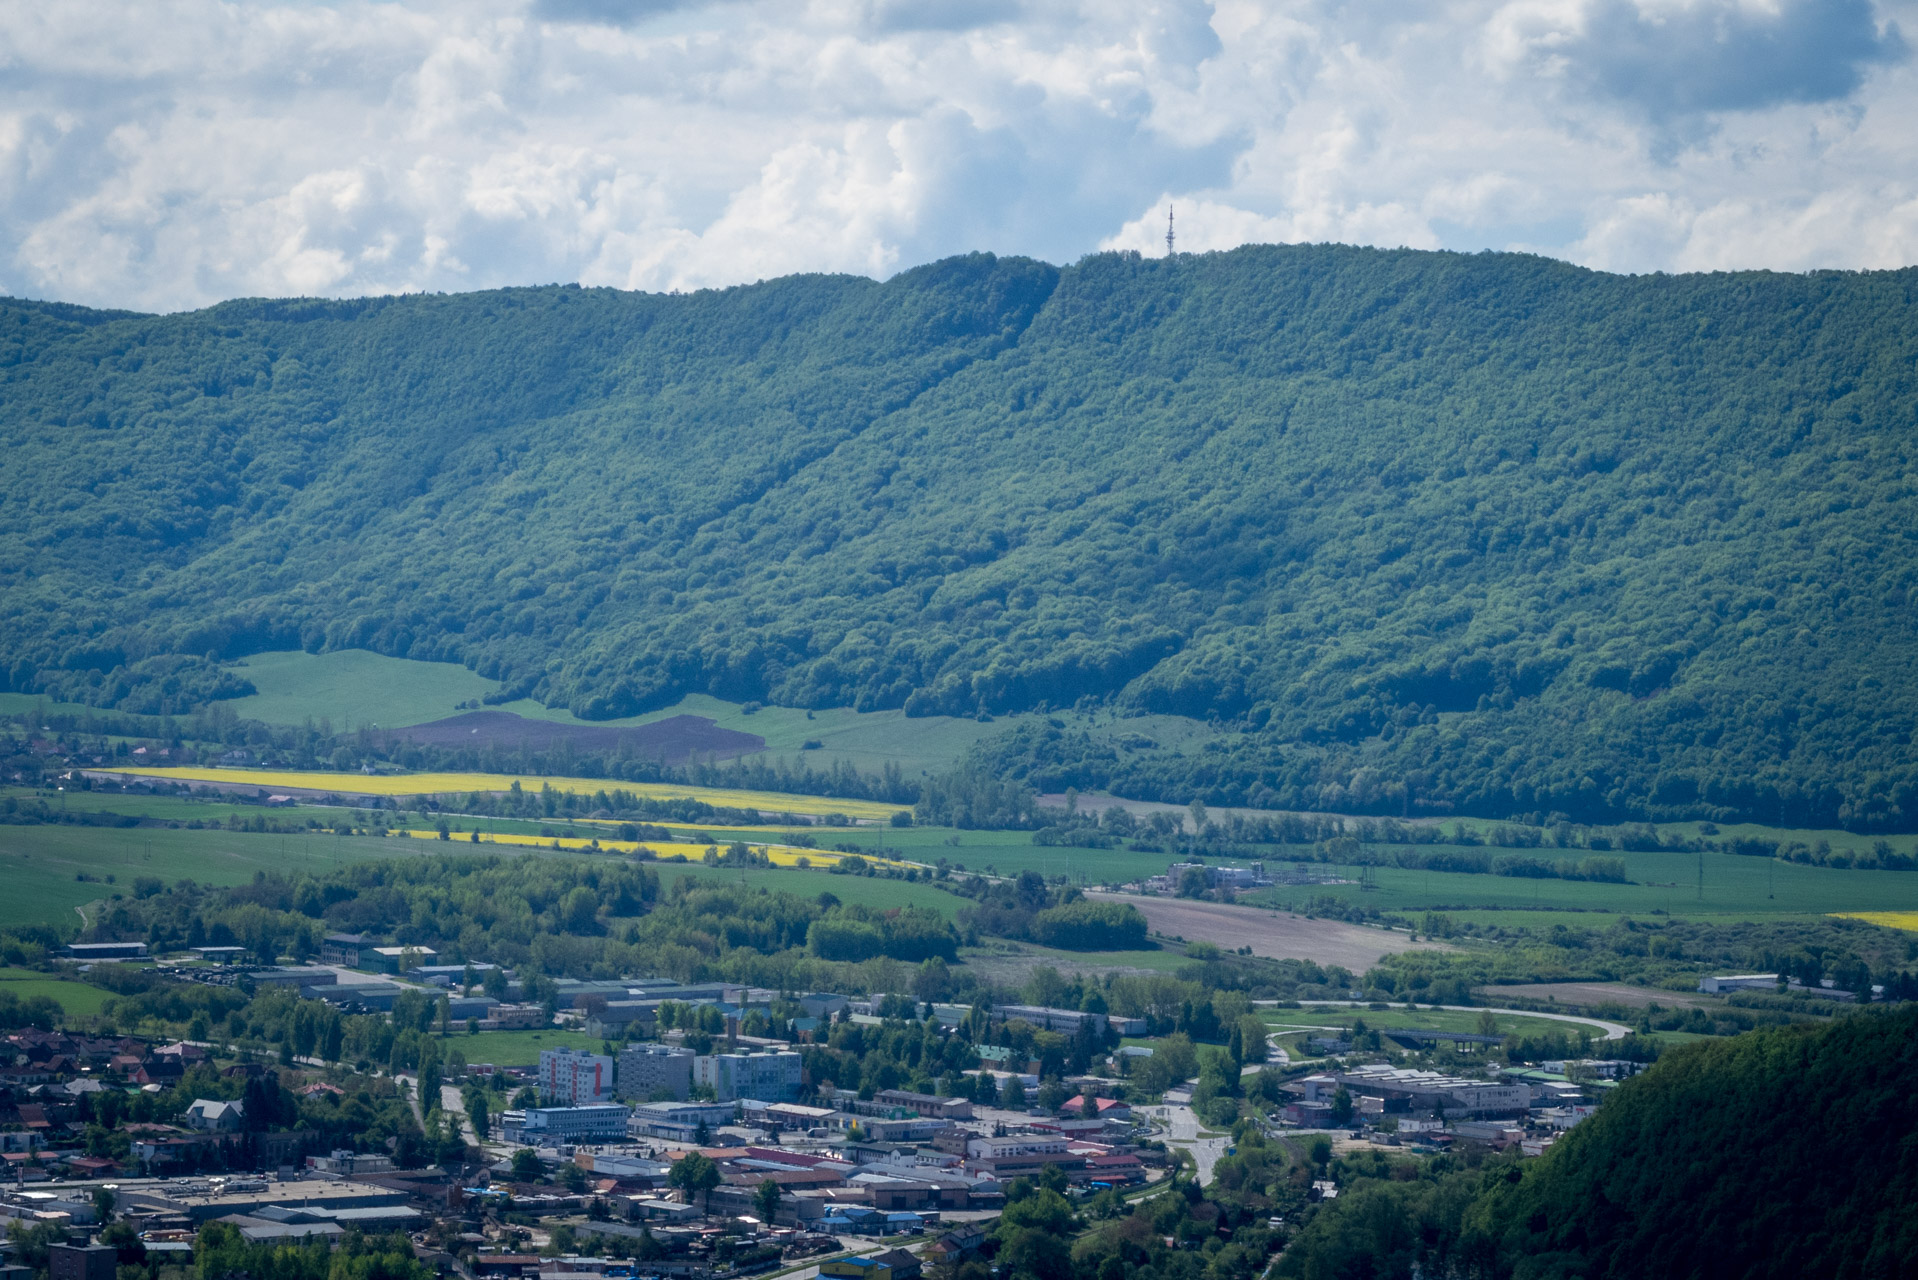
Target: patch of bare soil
x: 1591, y: 994
x: 1269, y: 933
x: 673, y: 740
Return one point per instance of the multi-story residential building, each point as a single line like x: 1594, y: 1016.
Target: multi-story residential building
x: 646, y: 1070
x: 764, y: 1077
x: 575, y: 1078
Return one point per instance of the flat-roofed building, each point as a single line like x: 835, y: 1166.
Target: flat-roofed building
x: 764, y: 1077
x: 678, y: 1121
x: 604, y: 1123
x: 1419, y: 1090
x: 925, y: 1104
x: 1724, y: 984
x: 344, y: 948
x: 646, y: 1070
x: 107, y: 950
x: 200, y: 1201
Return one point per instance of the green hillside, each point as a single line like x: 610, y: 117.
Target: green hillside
x: 1783, y: 1152
x: 1420, y: 532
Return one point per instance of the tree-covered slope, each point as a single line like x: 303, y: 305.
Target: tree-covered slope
x: 1423, y: 531
x: 1778, y: 1153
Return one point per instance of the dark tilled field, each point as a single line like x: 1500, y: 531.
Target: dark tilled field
x: 674, y: 739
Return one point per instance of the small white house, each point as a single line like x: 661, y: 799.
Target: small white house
x: 211, y: 1115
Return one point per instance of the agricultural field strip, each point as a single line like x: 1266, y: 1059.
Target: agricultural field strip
x: 780, y: 855
x: 1612, y: 1030
x: 1906, y: 920
x: 1284, y: 1028
x: 426, y: 784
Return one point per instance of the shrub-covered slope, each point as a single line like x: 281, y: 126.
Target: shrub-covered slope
x: 1423, y: 531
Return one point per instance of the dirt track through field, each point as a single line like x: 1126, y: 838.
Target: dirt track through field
x: 1269, y: 933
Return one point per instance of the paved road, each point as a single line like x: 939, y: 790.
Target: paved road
x: 1182, y: 1130
x: 1275, y: 1056
x: 410, y: 1090
x: 1612, y: 1030
x: 453, y: 1103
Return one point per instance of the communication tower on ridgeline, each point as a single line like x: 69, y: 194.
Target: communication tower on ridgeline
x: 1168, y: 231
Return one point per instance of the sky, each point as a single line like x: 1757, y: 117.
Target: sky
x: 166, y: 154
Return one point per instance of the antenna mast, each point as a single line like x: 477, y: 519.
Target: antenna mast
x: 1168, y: 231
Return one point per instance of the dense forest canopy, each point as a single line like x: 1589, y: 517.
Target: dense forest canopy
x: 1424, y: 532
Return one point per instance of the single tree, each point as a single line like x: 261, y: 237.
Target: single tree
x: 766, y: 1200
x: 694, y: 1175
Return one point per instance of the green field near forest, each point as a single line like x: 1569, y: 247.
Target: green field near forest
x: 76, y: 998
x: 351, y: 688
x: 46, y: 865
x: 1663, y: 882
x: 1417, y: 1019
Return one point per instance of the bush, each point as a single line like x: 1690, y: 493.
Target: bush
x: 1087, y: 925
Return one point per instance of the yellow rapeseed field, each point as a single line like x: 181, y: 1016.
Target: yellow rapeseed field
x: 437, y: 784
x: 780, y: 855
x: 1889, y: 919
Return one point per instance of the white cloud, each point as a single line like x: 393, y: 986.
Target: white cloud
x: 171, y: 153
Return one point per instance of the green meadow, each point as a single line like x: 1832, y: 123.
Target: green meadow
x: 1665, y: 883
x: 351, y: 688
x: 1412, y: 1019
x: 77, y: 998
x: 55, y: 870
x: 518, y: 1048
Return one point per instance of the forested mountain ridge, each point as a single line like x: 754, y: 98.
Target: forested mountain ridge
x: 1423, y: 531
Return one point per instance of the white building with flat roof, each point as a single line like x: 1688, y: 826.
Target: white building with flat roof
x: 1730, y: 982
x: 605, y: 1123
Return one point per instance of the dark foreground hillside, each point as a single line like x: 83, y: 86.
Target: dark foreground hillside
x: 1780, y: 1153
x: 1424, y: 532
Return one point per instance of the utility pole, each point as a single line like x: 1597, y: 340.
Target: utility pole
x: 1701, y: 875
